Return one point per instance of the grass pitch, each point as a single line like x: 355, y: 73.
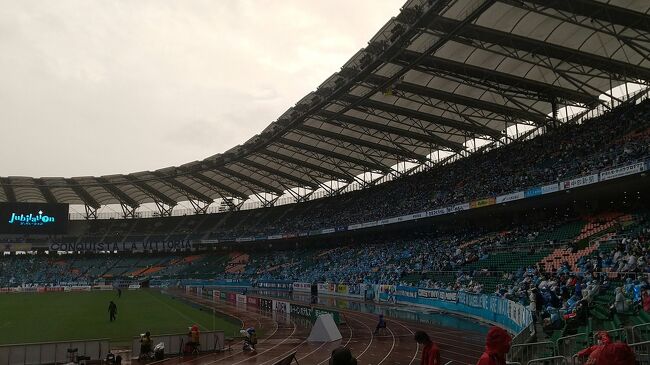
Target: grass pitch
x: 43, y: 317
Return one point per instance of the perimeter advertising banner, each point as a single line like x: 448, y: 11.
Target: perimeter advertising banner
x: 240, y: 298
x: 304, y: 287
x: 253, y: 301
x: 482, y: 203
x: 33, y: 218
x: 622, y: 171
x: 266, y: 304
x: 581, y: 181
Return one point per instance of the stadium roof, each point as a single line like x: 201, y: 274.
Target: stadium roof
x: 434, y: 77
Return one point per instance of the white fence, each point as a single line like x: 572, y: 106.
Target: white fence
x: 52, y: 352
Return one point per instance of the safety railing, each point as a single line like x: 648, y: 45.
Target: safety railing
x: 617, y: 335
x: 524, y: 335
x: 569, y: 345
x: 53, y: 352
x: 641, y: 332
x: 174, y: 343
x: 551, y: 360
x: 642, y: 352
x: 525, y: 352
x: 575, y: 360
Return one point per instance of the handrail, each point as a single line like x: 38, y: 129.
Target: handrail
x: 516, y: 349
x: 561, y: 345
x: 638, y: 326
x: 612, y: 334
x: 545, y: 360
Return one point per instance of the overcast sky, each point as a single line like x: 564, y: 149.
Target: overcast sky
x: 104, y: 87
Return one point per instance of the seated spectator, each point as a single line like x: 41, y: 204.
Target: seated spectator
x: 146, y: 345
x: 646, y: 301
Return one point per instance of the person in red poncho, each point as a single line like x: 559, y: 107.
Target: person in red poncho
x: 608, y: 353
x: 602, y: 338
x: 430, y: 351
x: 497, y: 345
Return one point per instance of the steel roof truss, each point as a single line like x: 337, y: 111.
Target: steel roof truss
x: 125, y: 200
x: 535, y: 46
x: 282, y: 174
x: 370, y: 154
x: 84, y: 195
x: 217, y: 186
x: 190, y: 193
x: 327, y: 172
x: 595, y: 10
x: 480, y: 73
x: 8, y: 189
x: 453, y: 98
x: 427, y: 138
x: 45, y: 191
x: 397, y: 118
x: 416, y: 114
x: 251, y: 180
x: 494, y: 134
x: 159, y: 198
x: 321, y: 151
x: 396, y: 151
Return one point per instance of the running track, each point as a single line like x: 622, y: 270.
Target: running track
x: 282, y: 337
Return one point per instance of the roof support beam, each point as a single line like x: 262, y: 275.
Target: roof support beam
x: 83, y: 194
x: 359, y: 162
x: 279, y: 173
x: 155, y: 194
x: 545, y: 90
x: 485, y: 34
x: 212, y: 183
x: 45, y: 191
x: 431, y: 139
x: 9, y: 191
x: 243, y: 177
x: 189, y: 192
x: 459, y: 99
x: 117, y: 193
x: 361, y: 142
x: 599, y: 10
x: 327, y: 172
x: 433, y: 119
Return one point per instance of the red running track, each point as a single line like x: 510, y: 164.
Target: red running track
x: 282, y: 337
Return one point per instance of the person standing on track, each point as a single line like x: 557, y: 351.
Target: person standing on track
x: 497, y: 345
x: 112, y: 310
x: 119, y: 293
x: 430, y: 351
x: 380, y: 324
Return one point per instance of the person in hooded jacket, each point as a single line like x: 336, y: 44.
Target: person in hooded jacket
x: 497, y: 345
x: 430, y: 351
x: 608, y: 353
x: 602, y: 339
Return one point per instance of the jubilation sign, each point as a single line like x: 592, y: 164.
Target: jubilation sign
x: 33, y: 218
